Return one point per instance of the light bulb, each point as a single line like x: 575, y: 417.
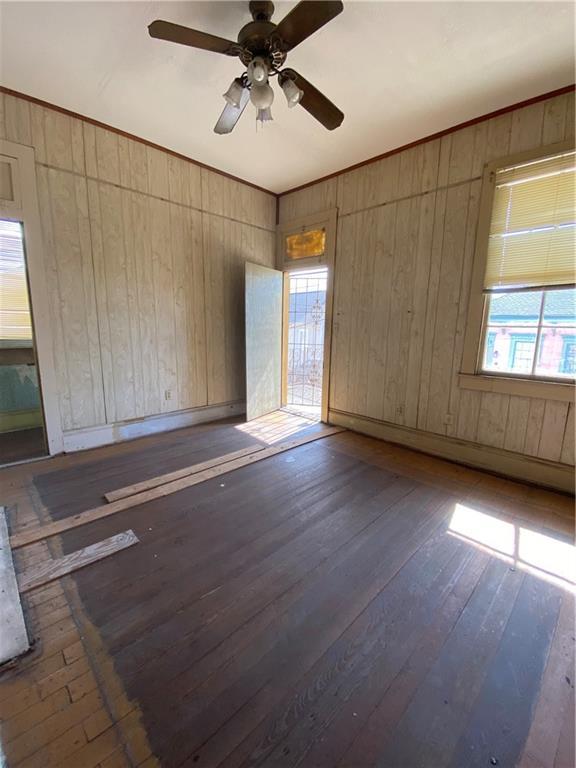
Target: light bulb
x: 264, y: 115
x: 234, y: 93
x: 261, y: 96
x: 258, y: 71
x: 292, y: 92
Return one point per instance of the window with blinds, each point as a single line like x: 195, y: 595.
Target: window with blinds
x: 530, y: 319
x: 15, y: 321
x: 531, y: 240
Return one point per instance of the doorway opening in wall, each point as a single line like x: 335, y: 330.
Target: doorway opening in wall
x: 22, y: 432
x: 305, y: 316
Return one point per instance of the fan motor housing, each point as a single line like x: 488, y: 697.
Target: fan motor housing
x: 257, y: 39
x: 261, y: 10
x: 255, y: 35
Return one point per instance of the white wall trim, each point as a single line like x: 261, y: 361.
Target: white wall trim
x: 28, y: 213
x: 105, y: 434
x: 508, y: 385
x: 514, y: 465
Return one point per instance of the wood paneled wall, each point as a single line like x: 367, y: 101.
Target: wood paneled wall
x: 145, y: 261
x: 406, y: 236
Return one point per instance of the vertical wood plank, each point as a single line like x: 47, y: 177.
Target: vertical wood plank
x: 431, y: 307
x: 319, y: 197
x: 462, y: 317
x: 385, y: 222
x: 107, y: 156
x: 468, y: 414
x: 534, y: 426
x: 526, y: 130
x: 17, y: 125
x: 454, y: 238
x: 554, y: 120
x: 158, y: 183
x: 567, y: 455
x: 553, y: 427
x: 492, y: 419
x: 142, y: 266
x: 2, y: 118
x: 65, y: 223
x: 517, y: 424
x: 163, y: 272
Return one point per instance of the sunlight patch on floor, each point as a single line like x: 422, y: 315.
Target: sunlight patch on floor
x: 275, y: 427
x: 542, y: 554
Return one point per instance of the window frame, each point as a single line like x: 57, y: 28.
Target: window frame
x: 26, y: 211
x: 471, y: 374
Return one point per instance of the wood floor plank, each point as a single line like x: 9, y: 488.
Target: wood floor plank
x: 316, y: 722
x: 86, y: 482
x: 341, y: 596
x: 50, y: 570
x: 226, y: 565
x: 447, y: 695
x: 315, y: 609
x: 194, y: 469
x: 222, y: 612
x: 566, y: 752
x: 83, y: 518
x: 556, y: 693
x: 500, y: 721
x: 207, y: 554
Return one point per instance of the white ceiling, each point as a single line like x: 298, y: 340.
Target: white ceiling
x: 398, y: 70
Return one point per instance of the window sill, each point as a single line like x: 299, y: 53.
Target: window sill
x: 549, y: 390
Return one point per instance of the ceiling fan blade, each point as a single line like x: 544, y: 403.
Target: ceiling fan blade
x: 316, y: 103
x: 304, y: 19
x: 230, y: 114
x: 175, y: 33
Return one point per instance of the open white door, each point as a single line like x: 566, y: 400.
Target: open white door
x: 263, y: 340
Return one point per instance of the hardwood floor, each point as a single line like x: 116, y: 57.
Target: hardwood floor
x: 349, y: 603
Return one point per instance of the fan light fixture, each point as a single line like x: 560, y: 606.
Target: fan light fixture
x: 234, y: 93
x: 258, y: 71
x: 292, y: 92
x: 264, y: 115
x: 261, y: 96
x: 263, y: 47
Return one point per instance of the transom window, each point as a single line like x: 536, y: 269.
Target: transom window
x: 529, y: 325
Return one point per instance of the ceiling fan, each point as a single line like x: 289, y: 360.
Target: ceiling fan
x: 263, y: 47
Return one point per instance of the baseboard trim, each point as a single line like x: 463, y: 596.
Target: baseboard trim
x: 105, y: 434
x: 560, y: 477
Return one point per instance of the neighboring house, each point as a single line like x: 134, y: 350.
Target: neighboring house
x: 512, y: 333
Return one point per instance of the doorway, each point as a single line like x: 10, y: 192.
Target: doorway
x: 304, y: 323
x: 22, y: 430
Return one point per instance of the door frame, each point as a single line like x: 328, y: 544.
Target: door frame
x: 329, y: 220
x: 24, y: 209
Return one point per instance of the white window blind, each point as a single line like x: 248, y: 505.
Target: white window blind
x: 532, y: 229
x: 15, y: 323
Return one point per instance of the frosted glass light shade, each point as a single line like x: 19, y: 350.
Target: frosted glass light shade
x: 234, y: 93
x: 257, y: 71
x: 261, y: 96
x: 264, y: 115
x: 292, y: 92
